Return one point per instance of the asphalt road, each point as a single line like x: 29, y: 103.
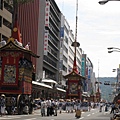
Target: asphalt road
x: 94, y: 114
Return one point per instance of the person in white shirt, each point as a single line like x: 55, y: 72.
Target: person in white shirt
x: 60, y: 105
x: 48, y: 103
x: 43, y: 105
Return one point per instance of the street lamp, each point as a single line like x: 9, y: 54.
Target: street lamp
x: 113, y: 49
x: 105, y: 1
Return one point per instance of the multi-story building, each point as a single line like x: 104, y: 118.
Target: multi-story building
x: 64, y: 48
x: 40, y: 25
x: 5, y: 20
x: 67, y: 51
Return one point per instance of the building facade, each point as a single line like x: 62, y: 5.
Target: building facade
x: 40, y: 26
x: 5, y: 20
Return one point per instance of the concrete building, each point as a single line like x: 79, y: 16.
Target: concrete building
x: 40, y: 26
x: 67, y: 51
x: 5, y: 20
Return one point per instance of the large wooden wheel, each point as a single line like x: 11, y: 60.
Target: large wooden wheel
x: 20, y: 104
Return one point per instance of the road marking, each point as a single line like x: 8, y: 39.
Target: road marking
x: 30, y: 119
x: 9, y: 117
x: 3, y: 118
x: 89, y: 115
x: 81, y: 117
x: 93, y: 113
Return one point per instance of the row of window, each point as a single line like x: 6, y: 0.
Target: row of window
x: 52, y: 16
x: 47, y: 59
x: 54, y: 10
x: 65, y: 59
x: 8, y: 7
x: 65, y: 49
x: 64, y: 68
x: 53, y: 29
x: 52, y: 51
x: 53, y: 40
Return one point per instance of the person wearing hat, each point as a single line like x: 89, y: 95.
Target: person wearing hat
x: 2, y: 104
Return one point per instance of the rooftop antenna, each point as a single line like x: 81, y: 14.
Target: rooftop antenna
x: 75, y: 43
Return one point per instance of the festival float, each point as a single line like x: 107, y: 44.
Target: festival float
x: 74, y: 80
x: 16, y: 72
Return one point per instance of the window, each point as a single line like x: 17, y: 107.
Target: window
x: 64, y: 58
x: 66, y: 39
x: 1, y: 4
x: 8, y: 7
x: 4, y: 38
x: 65, y: 49
x: 7, y: 23
x: 64, y: 68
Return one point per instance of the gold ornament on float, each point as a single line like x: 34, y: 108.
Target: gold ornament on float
x: 15, y: 29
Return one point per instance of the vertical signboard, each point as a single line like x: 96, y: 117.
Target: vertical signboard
x: 89, y: 73
x: 47, y: 13
x: 62, y: 32
x: 83, y: 67
x: 46, y: 42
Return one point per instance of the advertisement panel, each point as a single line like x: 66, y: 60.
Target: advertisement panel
x: 46, y: 42
x: 83, y: 67
x: 47, y: 13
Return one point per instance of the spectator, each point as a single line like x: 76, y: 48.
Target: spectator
x: 2, y: 104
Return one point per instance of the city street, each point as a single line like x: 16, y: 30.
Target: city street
x: 94, y: 114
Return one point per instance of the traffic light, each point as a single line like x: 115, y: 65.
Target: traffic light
x: 107, y: 83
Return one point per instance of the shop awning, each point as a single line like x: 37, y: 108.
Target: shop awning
x: 49, y: 81
x: 41, y: 84
x: 61, y: 89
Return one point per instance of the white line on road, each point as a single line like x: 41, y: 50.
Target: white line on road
x: 6, y: 118
x: 93, y: 113
x: 89, y: 115
x: 81, y: 118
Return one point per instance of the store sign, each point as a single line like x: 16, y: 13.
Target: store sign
x: 46, y: 42
x: 83, y: 67
x: 47, y: 13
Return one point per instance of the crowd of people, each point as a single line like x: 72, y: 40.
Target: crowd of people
x: 49, y: 107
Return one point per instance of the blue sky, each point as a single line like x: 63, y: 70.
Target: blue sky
x: 98, y: 29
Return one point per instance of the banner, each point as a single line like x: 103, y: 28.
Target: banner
x: 47, y: 13
x: 46, y: 42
